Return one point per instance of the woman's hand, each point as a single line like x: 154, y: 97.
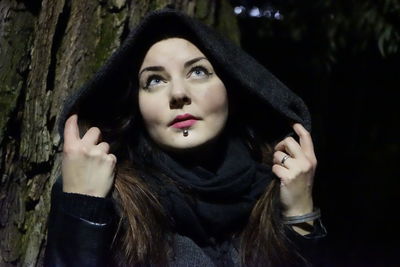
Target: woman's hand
x: 296, y: 173
x: 87, y: 168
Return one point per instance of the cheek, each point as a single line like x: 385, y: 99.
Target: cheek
x: 150, y: 110
x: 215, y: 99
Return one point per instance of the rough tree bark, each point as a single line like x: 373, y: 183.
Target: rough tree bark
x: 47, y: 50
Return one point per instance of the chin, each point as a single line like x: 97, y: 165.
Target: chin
x: 187, y: 144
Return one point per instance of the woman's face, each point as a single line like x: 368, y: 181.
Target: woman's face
x: 180, y: 91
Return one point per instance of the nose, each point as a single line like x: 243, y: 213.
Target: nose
x: 179, y: 96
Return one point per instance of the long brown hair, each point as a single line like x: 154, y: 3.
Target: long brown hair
x: 263, y: 240
x: 141, y: 233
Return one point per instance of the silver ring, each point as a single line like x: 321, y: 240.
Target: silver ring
x: 185, y: 132
x: 284, y: 159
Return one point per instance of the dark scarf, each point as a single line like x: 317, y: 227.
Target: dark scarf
x: 210, y: 205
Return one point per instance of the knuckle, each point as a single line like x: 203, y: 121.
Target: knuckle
x: 104, y: 145
x: 307, y: 166
x: 95, y: 130
x: 68, y: 149
x: 112, y: 158
x: 277, y: 146
x: 305, y: 132
x: 94, y: 153
x: 291, y: 176
x: 286, y: 140
x: 276, y: 170
x: 275, y: 167
x: 289, y: 139
x: 85, y: 150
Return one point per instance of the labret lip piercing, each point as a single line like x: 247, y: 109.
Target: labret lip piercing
x: 185, y: 132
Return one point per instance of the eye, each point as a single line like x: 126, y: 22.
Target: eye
x: 153, y: 80
x: 199, y: 72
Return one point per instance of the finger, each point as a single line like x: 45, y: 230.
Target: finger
x: 290, y: 146
x: 71, y: 130
x: 112, y: 158
x: 306, y: 142
x: 289, y: 162
x: 103, y: 146
x: 281, y: 172
x: 92, y: 136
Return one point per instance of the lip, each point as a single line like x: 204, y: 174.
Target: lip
x: 183, y: 121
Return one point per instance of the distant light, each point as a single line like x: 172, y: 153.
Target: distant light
x: 267, y: 13
x: 255, y: 12
x: 278, y: 15
x: 239, y: 10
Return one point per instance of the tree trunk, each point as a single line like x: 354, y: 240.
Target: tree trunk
x: 48, y: 49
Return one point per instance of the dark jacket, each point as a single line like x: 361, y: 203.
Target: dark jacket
x: 81, y: 228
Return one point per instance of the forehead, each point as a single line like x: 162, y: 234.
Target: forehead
x: 171, y: 50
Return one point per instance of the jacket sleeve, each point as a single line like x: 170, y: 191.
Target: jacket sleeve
x: 313, y: 247
x: 80, y: 229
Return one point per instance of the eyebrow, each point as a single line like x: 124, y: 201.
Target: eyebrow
x: 160, y: 68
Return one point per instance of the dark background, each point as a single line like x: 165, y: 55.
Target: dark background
x: 342, y: 58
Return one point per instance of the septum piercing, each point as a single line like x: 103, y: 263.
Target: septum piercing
x: 185, y: 132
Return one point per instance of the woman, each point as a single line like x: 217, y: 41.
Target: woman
x: 178, y: 152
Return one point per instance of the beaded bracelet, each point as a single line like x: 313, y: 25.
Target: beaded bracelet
x: 316, y: 214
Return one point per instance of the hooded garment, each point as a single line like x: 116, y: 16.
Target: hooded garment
x: 105, y: 97
x: 265, y: 97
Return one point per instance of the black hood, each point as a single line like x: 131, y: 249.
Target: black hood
x: 262, y: 100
